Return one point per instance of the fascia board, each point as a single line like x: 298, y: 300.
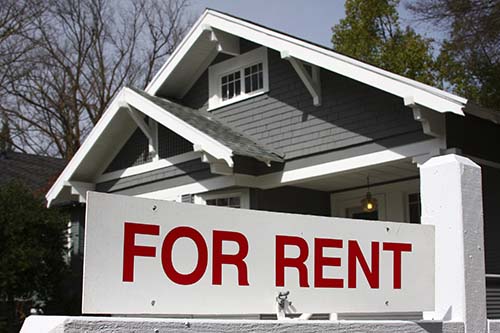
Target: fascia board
x: 85, y: 148
x: 405, y: 88
x: 190, y: 133
x: 128, y: 96
x: 397, y: 85
x: 177, y: 55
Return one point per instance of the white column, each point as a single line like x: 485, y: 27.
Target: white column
x: 452, y: 202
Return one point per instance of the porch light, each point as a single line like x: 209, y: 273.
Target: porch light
x: 369, y: 204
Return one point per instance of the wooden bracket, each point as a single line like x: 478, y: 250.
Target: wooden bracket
x: 433, y: 122
x: 311, y: 81
x: 219, y: 167
x: 226, y: 43
x: 80, y: 189
x: 149, y: 131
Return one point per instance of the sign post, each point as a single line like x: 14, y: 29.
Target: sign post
x: 147, y: 256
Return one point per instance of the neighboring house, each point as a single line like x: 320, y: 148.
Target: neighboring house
x: 245, y: 116
x: 36, y: 172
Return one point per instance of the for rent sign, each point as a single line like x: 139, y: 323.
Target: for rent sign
x: 158, y: 257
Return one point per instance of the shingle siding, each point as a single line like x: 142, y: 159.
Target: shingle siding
x: 286, y: 119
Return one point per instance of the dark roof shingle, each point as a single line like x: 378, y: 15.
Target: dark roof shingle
x: 36, y: 172
x: 207, y: 123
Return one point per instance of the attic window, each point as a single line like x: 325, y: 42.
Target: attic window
x: 238, y: 78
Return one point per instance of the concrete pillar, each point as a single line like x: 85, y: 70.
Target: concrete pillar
x: 451, y: 193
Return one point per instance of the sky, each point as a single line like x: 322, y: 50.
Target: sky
x: 308, y: 19
x: 311, y: 20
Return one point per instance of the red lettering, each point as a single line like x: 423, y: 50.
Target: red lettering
x: 130, y: 250
x: 356, y: 255
x: 282, y: 262
x: 320, y: 261
x: 166, y: 256
x: 237, y: 259
x: 397, y: 248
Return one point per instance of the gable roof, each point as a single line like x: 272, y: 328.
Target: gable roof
x: 34, y: 171
x: 226, y: 135
x: 197, y: 50
x: 199, y: 127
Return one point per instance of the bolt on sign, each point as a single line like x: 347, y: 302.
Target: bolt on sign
x: 147, y: 256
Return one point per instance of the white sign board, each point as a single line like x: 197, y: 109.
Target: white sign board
x: 147, y: 256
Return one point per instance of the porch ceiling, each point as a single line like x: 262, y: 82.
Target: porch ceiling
x: 357, y: 178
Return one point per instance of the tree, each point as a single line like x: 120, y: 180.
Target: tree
x: 81, y: 53
x: 32, y: 247
x: 371, y: 32
x: 470, y: 54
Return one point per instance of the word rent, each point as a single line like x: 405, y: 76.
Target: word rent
x: 356, y: 258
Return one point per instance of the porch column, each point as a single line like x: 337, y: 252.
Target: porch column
x: 452, y: 202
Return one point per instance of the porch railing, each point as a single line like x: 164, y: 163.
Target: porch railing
x: 493, y: 296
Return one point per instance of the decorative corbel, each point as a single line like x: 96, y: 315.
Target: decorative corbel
x: 311, y: 81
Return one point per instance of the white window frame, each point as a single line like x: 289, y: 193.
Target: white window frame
x: 239, y: 63
x: 244, y: 194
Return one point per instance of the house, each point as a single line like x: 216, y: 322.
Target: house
x: 36, y: 172
x: 245, y: 116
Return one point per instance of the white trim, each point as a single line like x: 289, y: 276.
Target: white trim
x: 420, y: 93
x: 180, y: 127
x: 394, y: 197
x: 235, y: 64
x: 126, y: 95
x: 298, y: 175
x: 174, y: 193
x: 84, y: 149
x: 345, y: 165
x: 312, y: 82
x: 147, y: 167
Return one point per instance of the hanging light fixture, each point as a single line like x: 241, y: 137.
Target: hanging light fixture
x: 369, y: 204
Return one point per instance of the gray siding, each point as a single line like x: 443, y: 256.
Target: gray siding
x: 473, y: 136
x: 285, y: 119
x: 291, y: 199
x: 478, y: 137
x: 194, y: 170
x: 491, y: 208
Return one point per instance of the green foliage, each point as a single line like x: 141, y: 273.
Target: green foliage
x: 32, y: 242
x: 470, y: 55
x: 371, y: 32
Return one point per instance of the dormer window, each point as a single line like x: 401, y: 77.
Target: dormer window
x: 238, y: 78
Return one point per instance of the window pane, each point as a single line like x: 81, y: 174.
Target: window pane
x: 211, y: 202
x: 254, y: 79
x: 224, y: 92
x: 237, y: 75
x: 248, y: 85
x: 234, y: 202
x: 414, y: 207
x: 222, y: 202
x: 224, y: 79
x: 255, y: 83
x: 237, y: 89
